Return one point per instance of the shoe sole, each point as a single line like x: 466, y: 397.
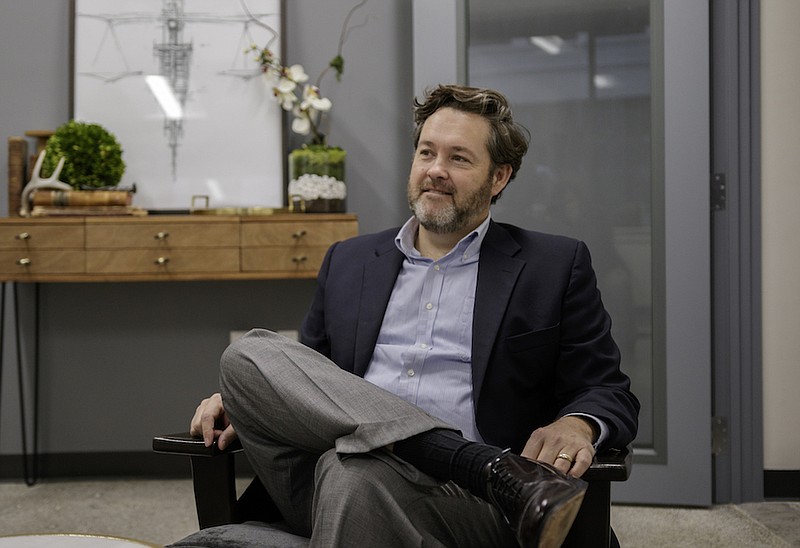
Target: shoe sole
x: 555, y: 524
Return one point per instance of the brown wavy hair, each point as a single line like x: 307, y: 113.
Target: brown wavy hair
x: 508, y: 140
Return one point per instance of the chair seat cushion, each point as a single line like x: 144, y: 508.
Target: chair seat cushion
x: 251, y: 534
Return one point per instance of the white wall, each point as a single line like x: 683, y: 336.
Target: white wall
x: 780, y: 103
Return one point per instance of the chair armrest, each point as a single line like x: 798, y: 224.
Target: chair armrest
x: 213, y: 479
x: 610, y: 465
x: 190, y: 446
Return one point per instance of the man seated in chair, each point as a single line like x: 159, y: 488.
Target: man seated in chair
x: 476, y: 371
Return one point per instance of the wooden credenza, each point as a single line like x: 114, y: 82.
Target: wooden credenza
x: 168, y: 247
x: 153, y: 248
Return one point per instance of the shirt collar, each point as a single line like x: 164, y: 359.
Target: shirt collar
x: 469, y: 246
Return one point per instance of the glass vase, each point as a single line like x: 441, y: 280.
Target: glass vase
x: 316, y: 179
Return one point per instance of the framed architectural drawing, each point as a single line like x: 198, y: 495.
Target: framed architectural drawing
x: 176, y: 84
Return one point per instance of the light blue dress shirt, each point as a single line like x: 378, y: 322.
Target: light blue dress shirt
x: 424, y: 348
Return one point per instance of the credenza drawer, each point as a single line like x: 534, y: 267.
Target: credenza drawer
x: 283, y: 258
x: 154, y: 261
x: 169, y: 247
x: 322, y: 233
x: 52, y: 261
x: 41, y: 236
x: 162, y: 235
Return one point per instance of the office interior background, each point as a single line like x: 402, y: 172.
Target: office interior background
x: 121, y: 362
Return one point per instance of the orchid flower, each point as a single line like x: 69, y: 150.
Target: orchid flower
x: 284, y: 92
x: 301, y: 124
x: 309, y: 106
x: 312, y: 99
x: 297, y: 74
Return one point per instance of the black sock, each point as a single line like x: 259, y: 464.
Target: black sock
x: 446, y: 455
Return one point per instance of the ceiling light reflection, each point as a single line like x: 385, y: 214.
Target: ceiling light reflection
x: 163, y: 93
x: 550, y: 44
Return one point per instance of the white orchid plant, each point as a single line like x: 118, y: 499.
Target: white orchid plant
x: 293, y: 90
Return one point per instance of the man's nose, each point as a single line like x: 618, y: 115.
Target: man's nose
x: 438, y: 169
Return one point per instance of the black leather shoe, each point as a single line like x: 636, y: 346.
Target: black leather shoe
x: 538, y: 501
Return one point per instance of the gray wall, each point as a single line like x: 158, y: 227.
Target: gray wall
x: 122, y: 361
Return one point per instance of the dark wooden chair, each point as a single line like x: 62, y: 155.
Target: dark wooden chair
x: 213, y: 477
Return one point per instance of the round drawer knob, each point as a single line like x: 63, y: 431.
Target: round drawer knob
x: 23, y: 236
x: 162, y: 261
x: 163, y: 235
x: 24, y: 261
x: 299, y: 260
x: 299, y: 234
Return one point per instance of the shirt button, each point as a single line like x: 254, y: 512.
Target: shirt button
x: 436, y: 267
x: 423, y: 345
x: 429, y: 306
x: 410, y: 372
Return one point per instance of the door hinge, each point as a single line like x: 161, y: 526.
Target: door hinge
x: 719, y: 192
x: 719, y: 435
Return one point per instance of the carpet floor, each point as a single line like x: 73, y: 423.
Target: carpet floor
x: 162, y: 511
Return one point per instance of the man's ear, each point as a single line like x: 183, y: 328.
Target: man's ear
x: 502, y: 174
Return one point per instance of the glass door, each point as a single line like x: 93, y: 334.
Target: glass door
x: 615, y: 94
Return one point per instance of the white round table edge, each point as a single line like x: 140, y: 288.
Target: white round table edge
x: 70, y: 540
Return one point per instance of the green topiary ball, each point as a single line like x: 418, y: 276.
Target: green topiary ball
x: 93, y: 155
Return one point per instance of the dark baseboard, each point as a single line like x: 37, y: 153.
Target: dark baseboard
x: 130, y: 464
x: 782, y: 484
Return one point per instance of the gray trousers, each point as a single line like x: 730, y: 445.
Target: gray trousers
x: 316, y: 435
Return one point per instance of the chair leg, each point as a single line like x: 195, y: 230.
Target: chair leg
x: 214, y: 482
x: 592, y: 525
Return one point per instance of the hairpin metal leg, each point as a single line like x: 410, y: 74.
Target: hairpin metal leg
x: 2, y: 340
x: 30, y: 461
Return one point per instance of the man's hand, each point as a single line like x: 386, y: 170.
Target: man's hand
x: 211, y: 422
x: 569, y: 436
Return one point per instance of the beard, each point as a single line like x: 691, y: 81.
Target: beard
x: 453, y: 216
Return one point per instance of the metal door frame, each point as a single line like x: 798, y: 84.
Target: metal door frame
x: 736, y: 252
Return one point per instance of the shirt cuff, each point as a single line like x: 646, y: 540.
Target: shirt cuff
x: 601, y: 425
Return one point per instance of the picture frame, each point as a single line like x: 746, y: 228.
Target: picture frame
x: 223, y: 144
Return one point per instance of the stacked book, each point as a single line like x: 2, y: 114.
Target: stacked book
x: 17, y: 156
x: 48, y: 203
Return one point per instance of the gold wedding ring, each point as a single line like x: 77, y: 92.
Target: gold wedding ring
x: 565, y: 457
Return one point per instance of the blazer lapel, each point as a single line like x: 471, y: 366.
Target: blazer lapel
x: 379, y: 277
x: 498, y: 272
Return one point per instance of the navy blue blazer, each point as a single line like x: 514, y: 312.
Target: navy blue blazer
x: 542, y: 344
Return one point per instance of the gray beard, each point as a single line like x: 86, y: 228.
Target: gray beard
x: 451, y: 218
x: 442, y: 221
